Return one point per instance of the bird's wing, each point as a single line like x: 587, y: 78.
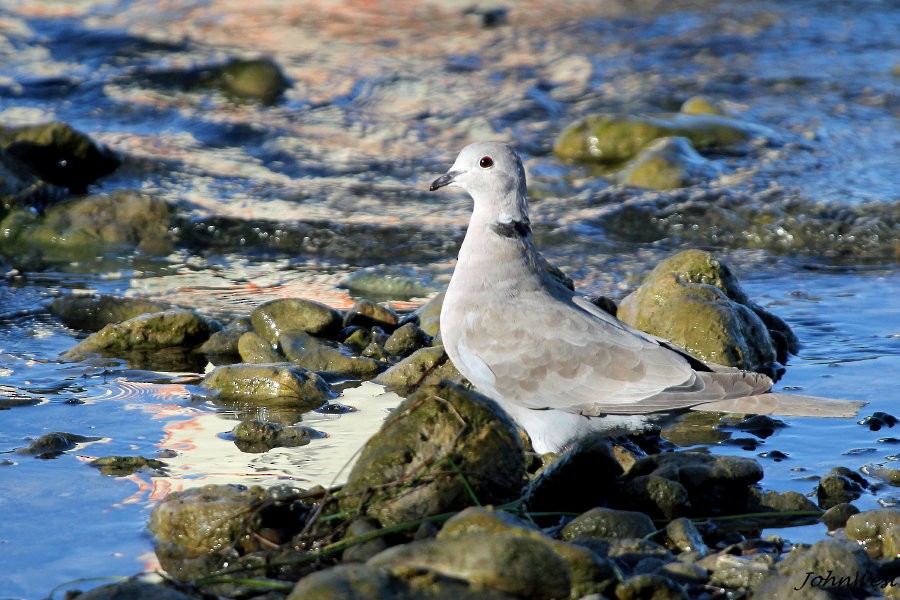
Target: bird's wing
x: 555, y: 354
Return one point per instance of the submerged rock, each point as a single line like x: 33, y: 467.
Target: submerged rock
x: 59, y: 154
x: 168, y: 329
x: 613, y: 139
x: 121, y: 466
x: 840, y: 485
x: 693, y: 300
x: 21, y: 187
x: 258, y: 79
x: 93, y: 313
x: 51, y: 445
x: 388, y: 283
x: 133, y: 590
x: 289, y: 315
x: 667, y: 163
x: 279, y: 384
x: 440, y: 446
x: 261, y: 436
x: 89, y: 226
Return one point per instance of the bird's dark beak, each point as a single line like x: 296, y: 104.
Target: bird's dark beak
x: 443, y: 180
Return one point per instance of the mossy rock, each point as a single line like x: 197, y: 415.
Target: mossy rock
x: 278, y: 384
x: 89, y: 226
x: 422, y: 366
x: 428, y: 316
x: 608, y: 523
x: 257, y: 436
x: 871, y: 529
x: 21, y: 187
x: 366, y: 313
x: 178, y: 328
x: 667, y: 163
x: 258, y: 79
x: 439, y: 447
x: 614, y: 139
x: 701, y: 105
x: 321, y: 355
x: 289, y: 315
x: 694, y: 301
x: 59, y: 154
x: 225, y: 341
x: 252, y: 348
x: 122, y: 466
x: 93, y: 313
x: 387, y: 283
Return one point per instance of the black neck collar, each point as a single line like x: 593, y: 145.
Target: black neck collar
x: 512, y: 229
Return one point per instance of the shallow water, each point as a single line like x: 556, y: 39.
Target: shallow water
x: 289, y: 199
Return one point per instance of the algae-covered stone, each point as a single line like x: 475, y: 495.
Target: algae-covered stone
x: 20, y: 186
x: 86, y: 227
x: 428, y: 316
x: 363, y: 551
x: 484, y: 520
x: 321, y: 355
x: 278, y: 384
x: 93, y: 313
x: 225, y: 341
x: 201, y: 529
x: 701, y: 105
x: 258, y: 79
x: 693, y: 300
x: 838, y: 515
x: 611, y: 139
x: 520, y: 566
x: 54, y: 443
x: 682, y: 535
x: 422, y: 366
x: 121, y: 466
x: 133, y: 590
x: 870, y: 528
x: 608, y: 523
x: 787, y: 501
x: 406, y: 340
x: 840, y: 485
x: 388, y: 283
x: 261, y: 436
x: 652, y: 586
x: 746, y: 572
x: 366, y: 313
x: 842, y: 559
x: 252, y: 348
x: 59, y: 154
x: 436, y: 449
x: 667, y: 163
x: 168, y: 329
x: 288, y: 315
x: 657, y: 496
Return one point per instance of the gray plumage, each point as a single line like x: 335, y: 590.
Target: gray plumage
x: 558, y: 364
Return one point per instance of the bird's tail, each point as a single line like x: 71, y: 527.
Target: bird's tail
x: 786, y: 405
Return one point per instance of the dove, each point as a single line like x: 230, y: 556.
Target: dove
x: 561, y: 367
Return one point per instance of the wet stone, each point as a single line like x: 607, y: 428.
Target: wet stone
x: 870, y: 529
x: 261, y: 436
x: 684, y: 573
x: 225, y: 341
x: 608, y: 523
x: 288, y: 315
x: 321, y: 355
x: 168, y: 329
x: 838, y: 486
x: 93, y: 313
x: 133, y: 590
x: 428, y: 316
x: 419, y: 367
x: 787, y: 501
x: 682, y: 536
x: 280, y: 384
x: 837, y: 516
x: 366, y: 313
x: 252, y: 348
x: 363, y: 551
x: 258, y: 79
x: 841, y: 559
x: 406, y: 340
x: 51, y: 445
x: 665, y: 164
x: 388, y: 283
x: 466, y: 440
x: 742, y: 572
x: 516, y: 565
x: 657, y: 587
x: 121, y: 466
x: 657, y: 496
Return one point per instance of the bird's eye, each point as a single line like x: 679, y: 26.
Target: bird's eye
x: 486, y: 162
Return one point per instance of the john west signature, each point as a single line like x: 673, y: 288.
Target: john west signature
x: 857, y: 580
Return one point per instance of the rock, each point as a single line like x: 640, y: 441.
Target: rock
x: 871, y: 528
x: 51, y: 445
x: 657, y: 496
x: 682, y: 535
x: 838, y: 486
x: 424, y: 365
x: 582, y: 478
x: 133, y: 590
x: 713, y: 483
x: 428, y: 316
x: 608, y: 523
x: 742, y: 572
x: 684, y: 573
x: 258, y: 79
x: 889, y: 475
x: 630, y: 551
x: 252, y: 348
x: 225, y: 341
x: 477, y: 520
x: 20, y: 187
x: 290, y: 315
x: 87, y: 227
x: 387, y: 283
x: 365, y: 550
x: 203, y: 529
x: 656, y: 587
x: 437, y: 447
x: 515, y: 565
x: 667, y: 163
x: 680, y: 301
x: 121, y: 466
x: 701, y: 105
x: 93, y: 313
x: 406, y: 340
x: 261, y: 436
x: 366, y: 313
x: 278, y: 384
x: 612, y: 139
x: 837, y: 516
x: 321, y: 355
x: 59, y: 154
x: 837, y: 563
x: 177, y: 328
x: 787, y: 501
